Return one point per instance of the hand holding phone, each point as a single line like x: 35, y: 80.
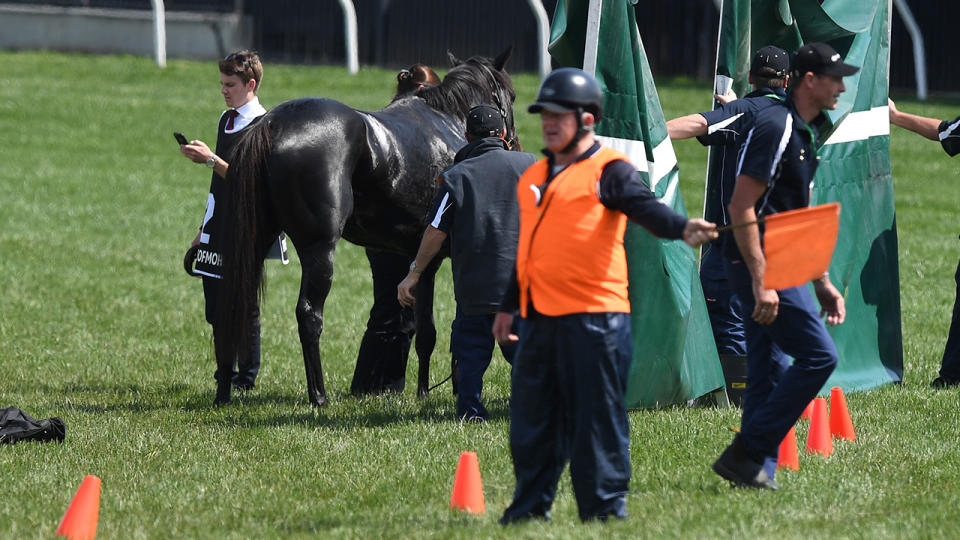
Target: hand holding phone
x: 180, y: 138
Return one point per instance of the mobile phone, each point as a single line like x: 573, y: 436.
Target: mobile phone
x: 180, y: 138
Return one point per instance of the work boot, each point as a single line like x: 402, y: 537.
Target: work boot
x: 735, y: 465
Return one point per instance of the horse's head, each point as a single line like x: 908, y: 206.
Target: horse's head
x: 480, y: 80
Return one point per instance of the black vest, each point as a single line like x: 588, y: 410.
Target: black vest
x: 486, y: 222
x: 209, y: 256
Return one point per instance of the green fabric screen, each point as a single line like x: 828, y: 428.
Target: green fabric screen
x: 674, y: 355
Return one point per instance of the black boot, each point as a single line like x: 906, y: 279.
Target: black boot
x: 735, y: 465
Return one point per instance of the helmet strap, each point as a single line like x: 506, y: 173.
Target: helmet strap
x: 581, y: 131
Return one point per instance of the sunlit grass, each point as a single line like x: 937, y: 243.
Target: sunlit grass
x: 100, y: 326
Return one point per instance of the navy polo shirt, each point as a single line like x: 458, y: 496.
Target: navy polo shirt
x: 727, y: 126
x: 950, y: 136
x: 780, y: 149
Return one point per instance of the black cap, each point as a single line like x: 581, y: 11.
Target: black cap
x: 820, y: 59
x: 770, y: 63
x: 484, y: 121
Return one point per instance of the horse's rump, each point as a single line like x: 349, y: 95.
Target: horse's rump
x: 408, y: 145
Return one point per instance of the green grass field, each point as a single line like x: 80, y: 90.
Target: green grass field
x: 100, y: 326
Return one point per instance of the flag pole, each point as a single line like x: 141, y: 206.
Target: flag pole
x: 592, y: 37
x: 726, y: 228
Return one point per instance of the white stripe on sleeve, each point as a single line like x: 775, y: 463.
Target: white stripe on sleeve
x: 444, y: 205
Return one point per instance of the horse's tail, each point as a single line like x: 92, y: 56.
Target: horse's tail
x: 243, y: 251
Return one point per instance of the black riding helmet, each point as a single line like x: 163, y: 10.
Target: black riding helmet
x: 570, y: 90
x: 566, y: 90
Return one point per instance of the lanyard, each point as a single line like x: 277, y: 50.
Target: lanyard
x: 813, y: 139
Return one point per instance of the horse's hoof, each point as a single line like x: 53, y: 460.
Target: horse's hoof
x: 319, y: 401
x: 423, y: 393
x: 223, y: 395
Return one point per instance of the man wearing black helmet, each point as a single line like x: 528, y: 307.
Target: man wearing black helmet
x: 477, y: 208
x: 570, y: 287
x: 775, y: 174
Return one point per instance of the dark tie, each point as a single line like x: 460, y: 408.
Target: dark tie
x: 230, y: 116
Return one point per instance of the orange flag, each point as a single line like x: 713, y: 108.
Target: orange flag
x: 798, y: 245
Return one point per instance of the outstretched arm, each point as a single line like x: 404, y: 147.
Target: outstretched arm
x: 922, y: 125
x: 621, y: 188
x: 685, y: 127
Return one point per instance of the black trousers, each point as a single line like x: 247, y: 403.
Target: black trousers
x: 382, y: 360
x: 246, y: 367
x: 950, y: 365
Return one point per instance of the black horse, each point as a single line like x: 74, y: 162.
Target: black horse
x: 320, y: 171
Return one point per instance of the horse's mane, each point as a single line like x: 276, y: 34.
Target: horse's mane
x: 465, y: 85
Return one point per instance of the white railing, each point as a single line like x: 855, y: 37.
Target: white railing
x: 159, y: 33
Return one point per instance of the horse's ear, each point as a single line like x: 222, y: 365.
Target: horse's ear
x: 454, y: 61
x: 501, y: 59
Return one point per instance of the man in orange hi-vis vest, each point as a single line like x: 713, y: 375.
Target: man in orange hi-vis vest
x: 778, y: 160
x: 570, y: 287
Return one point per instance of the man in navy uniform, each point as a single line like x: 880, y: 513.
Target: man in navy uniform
x: 948, y: 133
x: 778, y: 162
x: 724, y: 129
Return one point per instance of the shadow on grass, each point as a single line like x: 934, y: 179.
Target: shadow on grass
x: 262, y: 407
x: 96, y: 398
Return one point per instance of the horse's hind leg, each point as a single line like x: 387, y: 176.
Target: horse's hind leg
x: 317, y: 263
x: 426, y: 329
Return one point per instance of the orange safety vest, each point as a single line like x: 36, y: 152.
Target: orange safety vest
x: 570, y: 256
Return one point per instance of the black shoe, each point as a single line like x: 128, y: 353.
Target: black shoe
x: 943, y: 382
x: 510, y: 520
x: 243, y: 387
x: 736, y: 466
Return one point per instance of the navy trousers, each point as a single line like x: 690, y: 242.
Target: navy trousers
x: 568, y: 383
x: 471, y: 344
x: 770, y: 410
x: 723, y: 306
x: 950, y: 365
x: 726, y: 312
x: 246, y: 367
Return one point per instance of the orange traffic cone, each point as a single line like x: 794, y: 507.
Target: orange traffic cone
x: 787, y: 457
x: 80, y: 520
x: 467, y: 487
x: 840, y: 423
x: 808, y: 412
x: 818, y: 439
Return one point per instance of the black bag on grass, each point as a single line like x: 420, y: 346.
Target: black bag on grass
x: 16, y: 426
